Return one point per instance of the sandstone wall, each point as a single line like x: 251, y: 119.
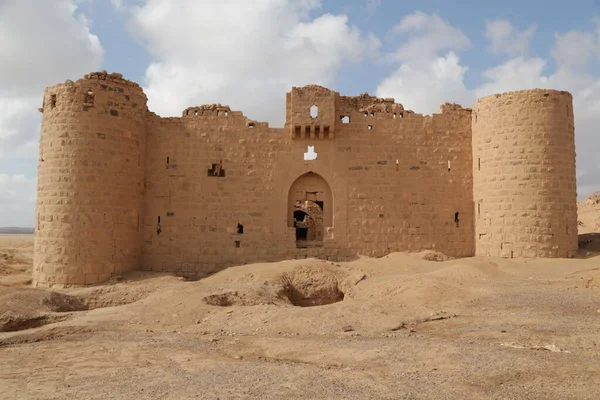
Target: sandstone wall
x: 213, y: 169
x: 121, y: 188
x: 524, y: 175
x: 90, y: 184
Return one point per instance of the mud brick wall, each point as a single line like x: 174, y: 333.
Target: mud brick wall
x: 90, y: 182
x: 524, y: 175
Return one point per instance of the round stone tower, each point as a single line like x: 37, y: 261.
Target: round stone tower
x: 90, y: 181
x: 524, y: 182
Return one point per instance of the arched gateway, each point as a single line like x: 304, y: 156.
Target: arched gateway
x: 310, y: 209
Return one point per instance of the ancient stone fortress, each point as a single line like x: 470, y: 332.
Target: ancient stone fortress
x: 121, y: 188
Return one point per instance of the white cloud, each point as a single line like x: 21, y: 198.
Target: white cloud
x: 423, y: 86
x: 246, y: 55
x: 436, y: 77
x: 505, y: 39
x: 430, y: 72
x: 17, y: 200
x: 54, y: 44
x: 576, y: 48
x: 428, y: 36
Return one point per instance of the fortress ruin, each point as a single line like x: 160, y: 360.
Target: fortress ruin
x: 121, y: 188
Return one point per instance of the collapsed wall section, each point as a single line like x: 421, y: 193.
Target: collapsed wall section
x: 524, y: 175
x: 90, y: 181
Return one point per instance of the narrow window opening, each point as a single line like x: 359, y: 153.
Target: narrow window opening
x: 366, y: 114
x: 251, y: 125
x: 240, y: 228
x: 449, y: 166
x: 167, y: 160
x: 369, y: 127
x: 307, y: 131
x: 159, y: 219
x: 372, y: 114
x: 345, y: 119
x: 310, y: 154
x: 478, y: 164
x: 394, y: 116
x: 317, y: 131
x: 52, y: 101
x: 226, y: 113
x: 158, y: 227
x: 89, y: 98
x: 456, y: 220
x: 314, y: 111
x: 326, y: 132
x: 478, y: 209
x: 298, y: 131
x: 216, y: 170
x: 397, y: 164
x: 196, y: 113
x: 401, y: 115
x: 238, y: 243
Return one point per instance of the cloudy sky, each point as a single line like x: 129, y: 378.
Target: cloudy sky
x: 248, y: 54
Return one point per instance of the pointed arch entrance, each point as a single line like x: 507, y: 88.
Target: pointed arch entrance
x: 310, y: 209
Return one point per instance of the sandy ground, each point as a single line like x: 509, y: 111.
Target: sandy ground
x: 398, y: 327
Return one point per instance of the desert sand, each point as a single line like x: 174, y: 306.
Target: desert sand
x: 405, y: 326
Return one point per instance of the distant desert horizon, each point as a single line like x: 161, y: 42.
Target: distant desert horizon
x: 15, y: 230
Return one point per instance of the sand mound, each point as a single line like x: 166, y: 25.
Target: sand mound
x: 306, y: 285
x: 113, y: 295
x: 30, y: 308
x: 313, y: 286
x: 251, y: 294
x: 431, y: 255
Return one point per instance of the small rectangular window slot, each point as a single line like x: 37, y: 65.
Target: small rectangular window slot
x: 307, y: 131
x: 401, y: 115
x: 326, y: 132
x: 52, y: 101
x: 240, y: 229
x: 449, y: 166
x: 170, y: 214
x: 478, y: 164
x: 394, y: 116
x: 372, y: 114
x: 318, y: 132
x: 238, y: 243
x: 159, y: 219
x: 345, y: 119
x: 251, y: 125
x: 298, y: 132
x: 369, y: 127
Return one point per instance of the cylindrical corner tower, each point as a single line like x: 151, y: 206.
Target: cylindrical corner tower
x: 524, y: 181
x: 90, y: 181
